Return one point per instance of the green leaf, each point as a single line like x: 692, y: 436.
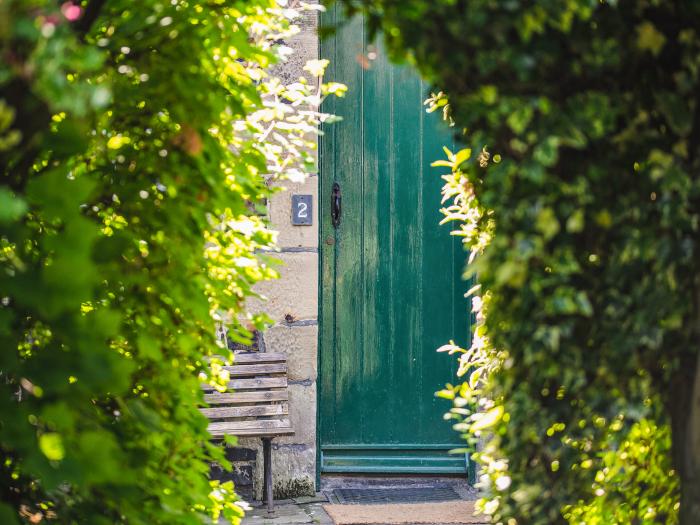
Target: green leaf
x: 57, y: 193
x: 575, y: 222
x: 547, y: 223
x: 677, y: 112
x: 547, y: 152
x: 12, y: 207
x: 148, y: 346
x: 519, y: 119
x: 649, y: 38
x: 51, y: 445
x: 69, y: 138
x: 489, y: 94
x: 316, y: 67
x: 474, y: 378
x: 462, y: 156
x: 487, y: 419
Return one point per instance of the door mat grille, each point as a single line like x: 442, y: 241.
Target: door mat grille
x: 394, y: 495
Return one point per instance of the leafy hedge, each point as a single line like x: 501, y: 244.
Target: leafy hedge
x: 579, y: 195
x: 138, y: 141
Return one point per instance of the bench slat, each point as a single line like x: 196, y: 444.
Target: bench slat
x: 256, y: 403
x: 255, y: 432
x: 243, y: 398
x: 259, y: 357
x: 233, y: 427
x: 242, y: 370
x: 258, y: 383
x: 281, y: 409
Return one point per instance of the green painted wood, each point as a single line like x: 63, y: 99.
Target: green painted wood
x: 391, y: 286
x: 419, y: 459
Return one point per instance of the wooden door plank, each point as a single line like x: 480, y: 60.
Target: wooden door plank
x: 327, y: 243
x: 405, y: 272
x: 378, y: 251
x: 349, y: 264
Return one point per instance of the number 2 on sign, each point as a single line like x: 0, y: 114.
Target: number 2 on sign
x: 302, y: 210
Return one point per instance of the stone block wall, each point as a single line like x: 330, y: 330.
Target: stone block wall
x: 292, y: 303
x: 244, y: 460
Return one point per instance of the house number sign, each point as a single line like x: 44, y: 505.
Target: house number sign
x: 301, y: 210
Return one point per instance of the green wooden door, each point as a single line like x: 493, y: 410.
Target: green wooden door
x: 391, y: 287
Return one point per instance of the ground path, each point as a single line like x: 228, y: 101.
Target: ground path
x: 362, y: 501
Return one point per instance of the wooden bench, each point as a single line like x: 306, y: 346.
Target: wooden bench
x: 258, y: 407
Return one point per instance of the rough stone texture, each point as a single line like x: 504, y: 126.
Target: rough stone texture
x: 299, y: 343
x: 294, y: 296
x: 305, y: 45
x: 293, y: 470
x: 243, y: 459
x: 292, y: 299
x: 293, y: 457
x: 302, y: 414
x: 302, y: 462
x: 280, y: 209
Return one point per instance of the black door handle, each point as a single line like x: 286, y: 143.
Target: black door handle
x: 336, y: 204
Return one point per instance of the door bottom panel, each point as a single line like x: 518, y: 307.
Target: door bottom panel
x: 394, y: 459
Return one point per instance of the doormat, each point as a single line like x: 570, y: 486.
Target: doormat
x: 447, y: 512
x: 394, y: 495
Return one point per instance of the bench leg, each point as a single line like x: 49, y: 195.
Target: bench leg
x: 267, y: 467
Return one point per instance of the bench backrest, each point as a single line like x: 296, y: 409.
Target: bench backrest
x: 259, y: 403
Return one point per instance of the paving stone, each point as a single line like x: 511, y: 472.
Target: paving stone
x: 283, y: 515
x: 318, y: 498
x: 318, y: 515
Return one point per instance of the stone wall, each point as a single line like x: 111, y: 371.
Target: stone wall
x: 292, y: 303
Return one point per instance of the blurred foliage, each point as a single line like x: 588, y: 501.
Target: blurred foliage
x: 635, y: 483
x: 139, y: 142
x: 579, y: 197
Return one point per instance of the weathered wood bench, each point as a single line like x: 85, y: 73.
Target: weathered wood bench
x: 258, y: 407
